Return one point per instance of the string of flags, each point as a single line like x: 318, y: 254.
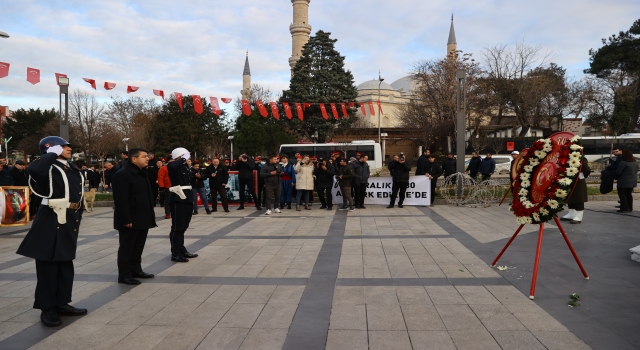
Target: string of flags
x: 33, y: 76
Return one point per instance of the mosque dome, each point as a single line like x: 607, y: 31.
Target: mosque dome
x: 406, y: 84
x: 373, y: 85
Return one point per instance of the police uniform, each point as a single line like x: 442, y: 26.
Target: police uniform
x: 51, y: 243
x: 181, y: 208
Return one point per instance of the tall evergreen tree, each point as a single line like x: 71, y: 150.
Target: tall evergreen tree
x: 256, y: 135
x: 320, y: 77
x: 29, y: 126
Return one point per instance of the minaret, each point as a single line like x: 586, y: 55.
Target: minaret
x: 452, y: 46
x: 246, y: 80
x: 300, y: 30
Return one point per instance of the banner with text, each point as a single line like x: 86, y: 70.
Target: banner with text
x: 379, y: 191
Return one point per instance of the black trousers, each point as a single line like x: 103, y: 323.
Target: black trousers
x: 55, y: 283
x: 398, y: 186
x: 433, y: 189
x: 261, y: 193
x: 626, y: 198
x: 272, y: 191
x: 222, y: 191
x: 130, y: 252
x: 576, y: 206
x: 180, y: 219
x: 252, y: 191
x: 360, y: 192
x: 167, y: 196
x: 321, y: 193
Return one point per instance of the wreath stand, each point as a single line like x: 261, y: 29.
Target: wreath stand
x: 535, y: 265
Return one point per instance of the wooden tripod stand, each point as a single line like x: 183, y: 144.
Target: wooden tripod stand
x: 535, y: 266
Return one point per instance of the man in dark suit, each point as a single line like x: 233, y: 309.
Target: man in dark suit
x: 53, y: 237
x: 133, y: 215
x: 218, y: 179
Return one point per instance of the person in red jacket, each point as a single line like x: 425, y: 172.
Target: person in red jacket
x: 164, y: 183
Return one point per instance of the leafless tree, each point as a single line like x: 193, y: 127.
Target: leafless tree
x: 87, y: 117
x: 131, y: 117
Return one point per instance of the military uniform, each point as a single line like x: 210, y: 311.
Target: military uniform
x: 181, y: 208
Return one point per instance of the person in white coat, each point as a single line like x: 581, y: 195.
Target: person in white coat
x: 304, y: 181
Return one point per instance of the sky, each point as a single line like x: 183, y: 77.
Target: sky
x: 198, y: 47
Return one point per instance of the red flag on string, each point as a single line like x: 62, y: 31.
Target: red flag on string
x: 287, y: 110
x: 159, y: 93
x: 33, y: 75
x: 4, y: 69
x: 60, y: 75
x: 108, y: 85
x: 344, y: 110
x: 352, y: 104
x: 91, y: 82
x: 246, y: 108
x: 197, y: 104
x: 215, y: 107
x: 371, y: 110
x: 362, y: 109
x: 131, y: 89
x: 323, y: 109
x: 334, y: 110
x: 262, y: 109
x: 226, y: 99
x: 306, y: 105
x: 299, y: 109
x: 380, y: 106
x: 274, y: 110
x: 178, y: 99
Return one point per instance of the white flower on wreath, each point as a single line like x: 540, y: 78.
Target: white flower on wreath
x: 547, y: 147
x: 575, y: 147
x: 553, y: 204
x: 540, y: 154
x: 576, y: 155
x: 523, y: 219
x: 523, y: 199
x: 523, y: 192
x: 533, y: 162
x: 565, y: 181
x: 536, y: 217
x: 560, y: 193
x: 574, y: 163
x: 575, y: 139
x: 544, y: 211
x: 528, y: 204
x: 571, y: 171
x: 526, y: 183
x: 528, y: 168
x: 525, y: 176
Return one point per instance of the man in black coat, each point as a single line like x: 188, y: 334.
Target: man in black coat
x: 218, y: 178
x: 324, y: 173
x: 449, y: 165
x: 197, y: 182
x: 109, y: 170
x: 433, y: 172
x: 474, y: 165
x: 53, y: 238
x: 153, y: 169
x: 421, y: 165
x: 133, y: 215
x: 400, y: 171
x: 180, y: 203
x: 20, y: 177
x: 245, y: 168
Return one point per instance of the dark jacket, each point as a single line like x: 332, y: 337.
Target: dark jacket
x: 434, y: 170
x: 133, y: 199
x: 449, y: 166
x: 108, y: 175
x: 579, y: 194
x: 324, y: 178
x: 222, y: 176
x: 179, y: 175
x: 48, y: 240
x: 627, y: 173
x: 362, y: 172
x: 94, y: 178
x: 195, y: 181
x: 152, y: 170
x: 245, y: 169
x: 5, y: 177
x: 20, y: 177
x: 269, y: 179
x: 487, y: 166
x: 613, y: 163
x: 400, y: 171
x: 347, y: 174
x: 288, y: 170
x: 422, y: 165
x: 474, y: 165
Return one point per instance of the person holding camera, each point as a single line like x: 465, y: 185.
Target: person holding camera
x: 287, y: 182
x: 324, y: 173
x: 245, y: 168
x: 197, y: 183
x: 345, y: 176
x: 433, y: 172
x: 400, y: 171
x: 218, y: 179
x: 271, y: 173
x: 304, y: 181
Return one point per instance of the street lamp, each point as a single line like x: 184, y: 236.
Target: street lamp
x: 63, y: 82
x: 126, y: 143
x: 461, y: 108
x: 231, y: 140
x: 380, y: 79
x: 384, y: 145
x: 4, y: 35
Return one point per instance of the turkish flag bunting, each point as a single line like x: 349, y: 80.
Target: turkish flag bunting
x: 334, y: 110
x: 373, y: 112
x: 33, y: 75
x: 246, y: 108
x: 274, y: 110
x: 131, y: 89
x: 362, y: 109
x: 380, y: 106
x: 352, y: 104
x: 4, y: 69
x: 197, y: 104
x: 60, y: 75
x: 225, y: 99
x: 262, y: 109
x: 306, y: 105
x: 159, y: 93
x: 287, y: 110
x: 344, y: 110
x: 108, y: 85
x: 215, y: 107
x: 92, y: 82
x: 299, y: 109
x: 178, y: 99
x: 323, y: 109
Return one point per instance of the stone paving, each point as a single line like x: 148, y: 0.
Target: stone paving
x: 376, y: 278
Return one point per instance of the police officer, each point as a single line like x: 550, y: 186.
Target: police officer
x: 53, y: 237
x: 180, y: 203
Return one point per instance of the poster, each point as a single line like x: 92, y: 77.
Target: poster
x: 15, y: 205
x: 233, y: 190
x: 379, y: 191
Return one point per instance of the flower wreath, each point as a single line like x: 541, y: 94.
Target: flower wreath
x: 556, y: 194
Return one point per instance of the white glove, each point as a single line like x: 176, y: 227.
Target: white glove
x: 55, y: 149
x: 186, y: 156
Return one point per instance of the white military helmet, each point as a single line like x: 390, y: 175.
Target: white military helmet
x: 515, y: 153
x: 179, y: 152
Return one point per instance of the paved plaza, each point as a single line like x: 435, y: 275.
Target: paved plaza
x: 374, y: 278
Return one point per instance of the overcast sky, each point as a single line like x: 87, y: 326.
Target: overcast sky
x: 198, y: 47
